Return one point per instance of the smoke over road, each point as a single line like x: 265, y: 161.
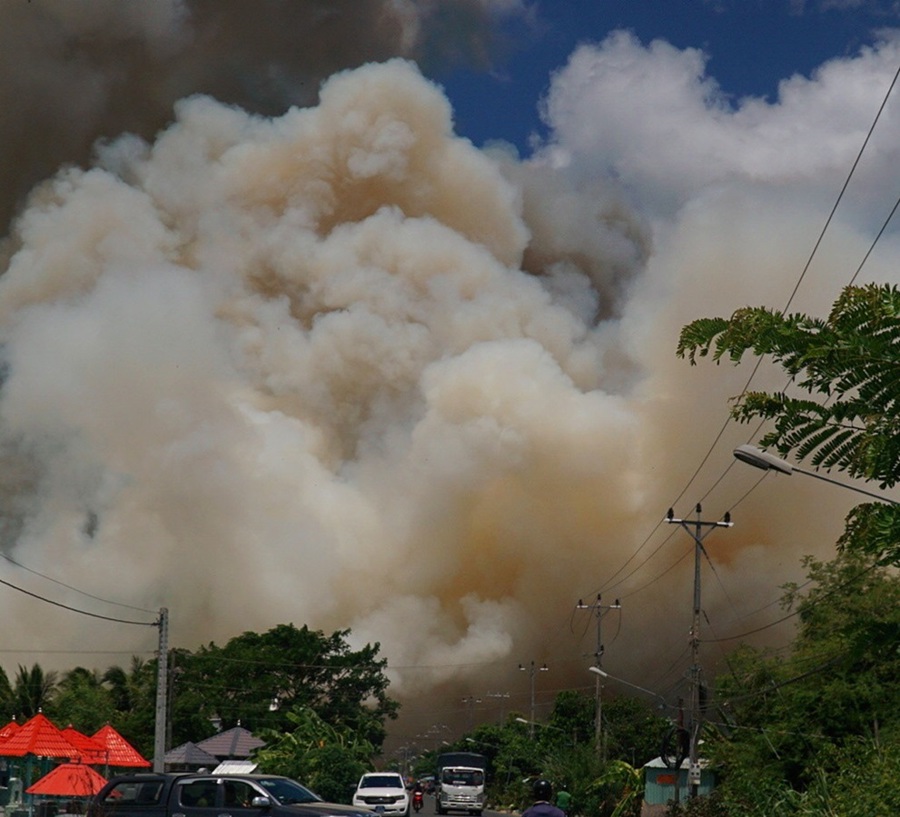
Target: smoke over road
x: 337, y: 366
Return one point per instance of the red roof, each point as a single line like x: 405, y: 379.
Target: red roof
x: 90, y: 751
x: 119, y: 751
x: 69, y: 780
x: 9, y: 729
x: 37, y: 737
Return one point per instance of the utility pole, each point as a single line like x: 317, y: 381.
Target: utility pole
x: 501, y: 696
x: 533, y: 669
x: 599, y: 608
x: 162, y: 682
x: 699, y: 530
x: 470, y: 701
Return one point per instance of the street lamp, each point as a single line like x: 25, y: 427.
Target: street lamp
x: 604, y: 674
x: 549, y: 726
x: 758, y: 458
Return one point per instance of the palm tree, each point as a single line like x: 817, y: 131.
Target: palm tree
x: 33, y: 690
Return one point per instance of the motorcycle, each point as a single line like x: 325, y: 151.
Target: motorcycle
x: 418, y: 801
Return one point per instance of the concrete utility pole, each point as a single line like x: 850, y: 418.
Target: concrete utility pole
x: 599, y: 609
x: 696, y: 529
x: 533, y: 669
x: 470, y: 701
x: 502, y: 696
x: 162, y: 681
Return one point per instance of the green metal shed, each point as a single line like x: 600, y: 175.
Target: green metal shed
x: 660, y: 780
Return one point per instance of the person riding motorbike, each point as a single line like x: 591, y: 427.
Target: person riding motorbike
x: 418, y: 799
x: 542, y: 807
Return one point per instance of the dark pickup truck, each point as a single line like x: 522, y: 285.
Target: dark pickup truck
x: 185, y: 794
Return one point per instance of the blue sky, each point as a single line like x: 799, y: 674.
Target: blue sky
x: 751, y: 45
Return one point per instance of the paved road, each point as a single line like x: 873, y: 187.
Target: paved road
x: 429, y: 810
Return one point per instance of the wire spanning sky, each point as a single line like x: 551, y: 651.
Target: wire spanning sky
x: 363, y: 314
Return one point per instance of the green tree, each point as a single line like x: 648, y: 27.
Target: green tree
x: 134, y: 696
x: 327, y: 758
x: 848, y: 365
x: 257, y: 679
x: 121, y: 684
x: 33, y: 690
x: 633, y: 730
x: 81, y: 700
x: 7, y: 698
x: 790, y: 724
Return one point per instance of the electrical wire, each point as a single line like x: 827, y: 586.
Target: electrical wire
x: 75, y: 609
x: 70, y: 587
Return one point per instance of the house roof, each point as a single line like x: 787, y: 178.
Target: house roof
x: 119, y: 751
x: 38, y: 736
x: 189, y: 754
x: 90, y: 751
x: 9, y: 729
x: 232, y: 743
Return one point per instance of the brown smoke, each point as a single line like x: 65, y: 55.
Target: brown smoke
x: 71, y: 73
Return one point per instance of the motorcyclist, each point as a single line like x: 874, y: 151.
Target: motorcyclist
x: 542, y: 807
x: 418, y: 795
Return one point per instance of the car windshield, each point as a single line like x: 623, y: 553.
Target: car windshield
x: 381, y: 781
x: 462, y: 777
x: 287, y: 792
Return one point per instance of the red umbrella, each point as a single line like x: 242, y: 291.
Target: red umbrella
x: 69, y: 780
x: 119, y: 751
x: 38, y: 737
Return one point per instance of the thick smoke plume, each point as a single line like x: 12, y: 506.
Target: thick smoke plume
x: 291, y: 369
x: 76, y: 72
x: 337, y: 366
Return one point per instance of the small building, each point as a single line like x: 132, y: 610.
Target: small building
x: 660, y: 782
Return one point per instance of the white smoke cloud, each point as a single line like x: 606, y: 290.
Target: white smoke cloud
x: 339, y: 367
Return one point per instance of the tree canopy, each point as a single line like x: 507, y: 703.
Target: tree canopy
x: 257, y: 680
x: 807, y: 718
x: 847, y: 417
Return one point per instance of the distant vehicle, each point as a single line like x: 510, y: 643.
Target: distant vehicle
x: 382, y: 791
x: 185, y: 794
x: 460, y: 778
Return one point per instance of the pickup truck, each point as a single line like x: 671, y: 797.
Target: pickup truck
x: 185, y: 794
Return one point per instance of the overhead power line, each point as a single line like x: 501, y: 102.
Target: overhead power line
x: 75, y: 609
x: 70, y: 587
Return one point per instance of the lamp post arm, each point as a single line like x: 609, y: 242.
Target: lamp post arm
x: 879, y: 497
x: 751, y: 455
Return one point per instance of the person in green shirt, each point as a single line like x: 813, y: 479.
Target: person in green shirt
x: 563, y: 801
